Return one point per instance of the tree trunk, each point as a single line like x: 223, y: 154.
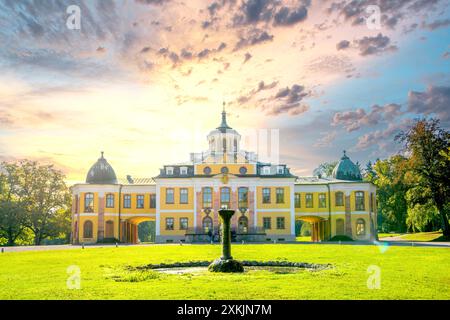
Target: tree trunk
x: 444, y: 219
x: 37, y: 238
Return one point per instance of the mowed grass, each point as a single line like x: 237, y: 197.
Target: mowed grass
x: 406, y: 273
x: 419, y: 236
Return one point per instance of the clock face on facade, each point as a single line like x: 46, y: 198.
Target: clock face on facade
x: 242, y: 170
x: 207, y: 170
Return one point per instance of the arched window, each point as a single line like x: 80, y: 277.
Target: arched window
x: 225, y: 197
x: 89, y: 202
x: 339, y: 199
x: 224, y: 145
x: 340, y: 227
x: 360, y: 227
x: 243, y: 224
x: 109, y: 232
x: 207, y: 224
x: 87, y: 229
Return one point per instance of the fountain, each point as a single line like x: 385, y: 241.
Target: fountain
x: 226, y: 263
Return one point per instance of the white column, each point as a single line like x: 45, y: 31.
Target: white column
x: 255, y: 201
x: 158, y: 221
x: 292, y: 195
x: 195, y: 206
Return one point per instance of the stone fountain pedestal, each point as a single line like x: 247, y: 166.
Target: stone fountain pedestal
x: 226, y: 263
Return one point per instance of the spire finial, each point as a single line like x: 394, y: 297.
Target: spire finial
x: 224, y: 125
x: 102, y: 154
x: 345, y: 153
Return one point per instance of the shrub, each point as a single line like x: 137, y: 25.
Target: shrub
x: 341, y: 238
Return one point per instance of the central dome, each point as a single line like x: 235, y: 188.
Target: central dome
x: 346, y: 170
x: 101, y: 173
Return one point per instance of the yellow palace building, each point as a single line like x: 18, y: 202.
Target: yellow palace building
x: 184, y: 200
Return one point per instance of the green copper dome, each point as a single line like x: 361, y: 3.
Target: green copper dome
x: 101, y: 173
x: 346, y: 170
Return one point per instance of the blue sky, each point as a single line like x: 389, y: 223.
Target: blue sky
x: 144, y: 80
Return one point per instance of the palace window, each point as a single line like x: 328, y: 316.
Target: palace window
x: 207, y: 197
x: 267, y: 223
x: 169, y: 223
x: 266, y: 170
x: 243, y: 197
x: 225, y: 197
x: 169, y: 196
x: 322, y: 200
x: 127, y: 201
x: 152, y: 200
x: 360, y: 227
x: 169, y: 171
x: 89, y: 202
x: 207, y: 224
x: 183, y: 171
x: 183, y: 195
x: 87, y: 229
x: 183, y: 223
x: 110, y: 200
x: 297, y: 200
x: 280, y: 195
x: 339, y: 199
x: 280, y: 170
x: 266, y: 195
x: 280, y: 223
x: 359, y: 201
x: 309, y: 200
x: 140, y: 201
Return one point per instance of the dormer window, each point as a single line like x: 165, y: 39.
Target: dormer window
x: 169, y: 171
x: 280, y: 170
x: 266, y: 170
x: 183, y: 171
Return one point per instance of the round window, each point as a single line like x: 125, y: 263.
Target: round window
x: 207, y: 170
x: 242, y: 170
x: 224, y: 170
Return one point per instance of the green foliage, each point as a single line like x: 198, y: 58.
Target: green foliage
x: 325, y: 169
x: 428, y: 146
x: 392, y: 178
x: 33, y: 198
x: 306, y: 229
x: 147, y: 231
x: 341, y: 238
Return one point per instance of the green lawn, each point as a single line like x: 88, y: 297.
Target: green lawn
x: 386, y: 235
x: 406, y: 273
x: 419, y: 236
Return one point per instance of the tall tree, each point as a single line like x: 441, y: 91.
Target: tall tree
x: 45, y: 194
x: 393, y: 181
x: 429, y: 148
x: 12, y: 211
x: 325, y: 169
